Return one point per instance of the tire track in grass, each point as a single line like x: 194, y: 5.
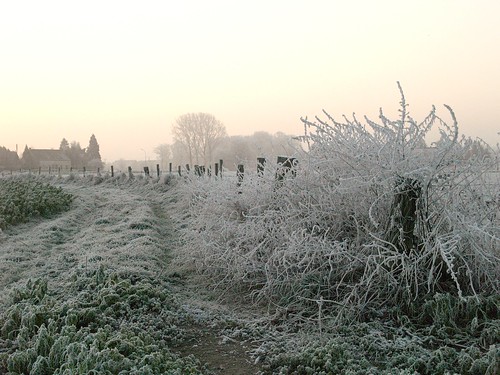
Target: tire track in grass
x: 84, y: 257
x: 204, y: 322
x: 98, y: 230
x: 127, y: 231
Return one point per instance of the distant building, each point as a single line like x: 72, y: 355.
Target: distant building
x: 46, y: 159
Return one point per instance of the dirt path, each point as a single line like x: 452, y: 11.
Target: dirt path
x: 205, y: 339
x: 126, y: 229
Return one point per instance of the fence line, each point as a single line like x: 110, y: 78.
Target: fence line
x: 285, y: 164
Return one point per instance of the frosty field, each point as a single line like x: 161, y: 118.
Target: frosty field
x: 95, y: 289
x: 375, y: 254
x: 96, y: 280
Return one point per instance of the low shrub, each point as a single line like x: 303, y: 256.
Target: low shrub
x: 372, y: 224
x: 371, y: 216
x: 23, y: 198
x: 112, y: 325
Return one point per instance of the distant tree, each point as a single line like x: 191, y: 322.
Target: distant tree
x: 92, y: 154
x: 246, y: 149
x: 27, y: 160
x: 199, y: 133
x: 164, y: 152
x: 76, y: 154
x: 9, y: 159
x: 284, y: 144
x: 263, y: 142
x: 237, y: 149
x: 179, y: 153
x: 64, y: 146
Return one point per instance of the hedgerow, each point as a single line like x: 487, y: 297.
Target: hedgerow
x: 371, y: 218
x: 23, y: 198
x: 371, y: 224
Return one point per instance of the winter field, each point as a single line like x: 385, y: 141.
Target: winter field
x: 368, y: 257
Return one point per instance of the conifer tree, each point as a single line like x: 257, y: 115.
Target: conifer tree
x: 27, y: 160
x: 92, y: 154
x: 64, y: 146
x: 76, y: 155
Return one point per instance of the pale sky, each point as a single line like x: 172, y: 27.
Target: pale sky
x: 125, y: 70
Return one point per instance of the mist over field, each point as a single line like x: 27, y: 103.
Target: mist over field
x: 243, y: 188
x: 362, y: 251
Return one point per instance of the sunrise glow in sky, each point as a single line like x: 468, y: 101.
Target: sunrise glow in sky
x: 125, y: 70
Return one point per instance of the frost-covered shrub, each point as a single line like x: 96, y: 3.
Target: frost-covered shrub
x: 371, y: 217
x: 373, y: 349
x: 110, y: 325
x: 22, y: 198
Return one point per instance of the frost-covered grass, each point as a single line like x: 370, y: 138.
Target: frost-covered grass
x: 372, y: 348
x: 373, y: 226
x: 97, y: 299
x: 23, y: 198
x: 450, y: 337
x: 110, y: 325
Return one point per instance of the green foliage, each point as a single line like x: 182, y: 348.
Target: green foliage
x: 376, y: 349
x: 113, y: 325
x: 24, y: 198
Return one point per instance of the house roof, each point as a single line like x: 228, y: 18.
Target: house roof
x: 48, y: 155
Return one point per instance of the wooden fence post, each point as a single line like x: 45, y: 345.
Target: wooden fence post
x: 179, y: 170
x: 240, y: 173
x: 130, y: 174
x: 261, y: 162
x: 112, y: 172
x: 84, y: 170
x: 216, y: 169
x: 170, y: 168
x: 220, y: 167
x: 158, y: 170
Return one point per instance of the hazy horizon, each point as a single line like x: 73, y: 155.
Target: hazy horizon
x: 125, y: 70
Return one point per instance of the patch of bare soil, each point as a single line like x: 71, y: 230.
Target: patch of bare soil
x: 221, y: 354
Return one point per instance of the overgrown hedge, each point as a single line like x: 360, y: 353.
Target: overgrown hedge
x: 371, y: 217
x: 371, y: 225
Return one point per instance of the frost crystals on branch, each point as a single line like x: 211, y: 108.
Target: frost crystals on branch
x: 366, y: 222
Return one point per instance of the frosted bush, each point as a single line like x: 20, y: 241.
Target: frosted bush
x: 372, y: 218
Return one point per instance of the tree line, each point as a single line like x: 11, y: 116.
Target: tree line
x: 9, y: 159
x: 201, y: 139
x: 89, y: 157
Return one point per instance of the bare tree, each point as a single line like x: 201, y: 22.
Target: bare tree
x: 199, y: 133
x: 164, y: 152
